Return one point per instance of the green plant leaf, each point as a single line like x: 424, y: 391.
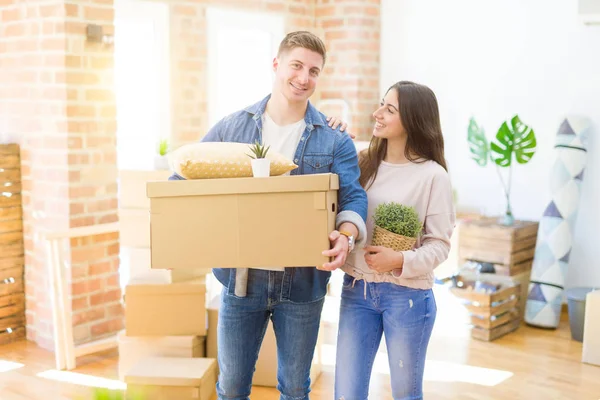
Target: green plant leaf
x: 478, y: 144
x: 513, y: 137
x: 398, y: 218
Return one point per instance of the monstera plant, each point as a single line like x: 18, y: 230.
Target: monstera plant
x: 515, y: 140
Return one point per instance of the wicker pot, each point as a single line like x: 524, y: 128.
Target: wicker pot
x: 385, y: 238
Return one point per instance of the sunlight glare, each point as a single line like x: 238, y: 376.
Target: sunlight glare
x: 82, y: 379
x: 6, y: 366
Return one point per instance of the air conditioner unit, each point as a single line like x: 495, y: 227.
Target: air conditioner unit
x: 589, y: 11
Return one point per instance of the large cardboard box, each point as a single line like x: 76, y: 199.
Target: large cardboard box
x: 591, y: 329
x: 159, y: 378
x: 266, y: 365
x: 134, y: 349
x: 176, y: 309
x: 242, y: 222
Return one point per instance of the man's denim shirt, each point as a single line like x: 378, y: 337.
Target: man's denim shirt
x: 320, y: 150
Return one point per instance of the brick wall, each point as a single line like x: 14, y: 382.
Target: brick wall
x: 351, y: 32
x: 56, y: 100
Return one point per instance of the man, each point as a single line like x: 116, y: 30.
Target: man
x: 292, y: 297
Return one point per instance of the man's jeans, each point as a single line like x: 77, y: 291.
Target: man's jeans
x: 242, y: 326
x: 404, y: 315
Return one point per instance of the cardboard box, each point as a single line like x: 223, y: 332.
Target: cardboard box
x: 134, y: 227
x: 242, y: 222
x: 266, y: 365
x: 134, y: 349
x: 132, y: 187
x: 176, y: 309
x: 591, y: 329
x: 157, y: 378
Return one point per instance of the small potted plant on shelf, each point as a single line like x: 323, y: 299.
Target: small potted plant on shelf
x: 161, y: 161
x: 396, y: 226
x: 261, y: 165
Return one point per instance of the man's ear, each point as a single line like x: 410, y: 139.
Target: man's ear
x: 275, y: 64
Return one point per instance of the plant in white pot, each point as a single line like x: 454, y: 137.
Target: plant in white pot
x: 261, y: 165
x: 161, y: 161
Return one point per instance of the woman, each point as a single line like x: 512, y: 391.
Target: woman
x: 386, y: 291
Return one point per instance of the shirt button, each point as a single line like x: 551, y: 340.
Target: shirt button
x: 296, y: 160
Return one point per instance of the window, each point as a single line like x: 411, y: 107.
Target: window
x: 241, y: 47
x: 141, y: 81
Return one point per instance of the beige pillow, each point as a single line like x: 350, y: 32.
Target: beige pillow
x: 206, y: 160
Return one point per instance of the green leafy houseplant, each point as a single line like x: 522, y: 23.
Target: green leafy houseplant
x: 513, y: 139
x: 259, y: 150
x: 398, y: 219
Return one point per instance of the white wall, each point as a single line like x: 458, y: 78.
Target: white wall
x: 491, y: 60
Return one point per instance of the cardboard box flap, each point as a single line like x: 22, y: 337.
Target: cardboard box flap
x: 170, y: 371
x: 162, y: 341
x: 274, y: 184
x: 164, y: 289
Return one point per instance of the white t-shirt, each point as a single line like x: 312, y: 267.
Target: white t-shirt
x: 283, y: 140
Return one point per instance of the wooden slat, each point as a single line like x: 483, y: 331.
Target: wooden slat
x: 486, y: 299
x: 10, y: 161
x: 486, y: 255
x: 9, y: 149
x: 11, y: 187
x: 11, y: 288
x: 488, y: 312
x: 502, y: 319
x: 16, y: 334
x: 500, y: 246
x: 10, y: 201
x: 505, y: 294
x: 489, y: 228
x: 12, y: 322
x: 11, y: 299
x: 494, y: 333
x: 11, y: 213
x: 14, y: 225
x: 11, y: 262
x: 10, y: 175
x: 13, y: 309
x: 515, y: 269
x: 11, y: 244
x: 15, y: 272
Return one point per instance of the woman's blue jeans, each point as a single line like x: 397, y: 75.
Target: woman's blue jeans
x: 405, y: 315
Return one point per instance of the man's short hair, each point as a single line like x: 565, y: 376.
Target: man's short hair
x: 304, y: 39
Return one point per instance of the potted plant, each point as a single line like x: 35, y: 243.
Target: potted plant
x: 261, y: 166
x: 513, y: 138
x: 396, y: 226
x: 161, y: 161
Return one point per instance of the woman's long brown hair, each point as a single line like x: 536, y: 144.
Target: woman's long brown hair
x: 420, y: 118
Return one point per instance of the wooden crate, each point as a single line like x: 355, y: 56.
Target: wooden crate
x: 510, y: 249
x: 12, y: 296
x: 494, y: 309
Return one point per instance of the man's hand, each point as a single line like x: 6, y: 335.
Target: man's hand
x: 334, y: 122
x: 383, y: 259
x: 339, y: 250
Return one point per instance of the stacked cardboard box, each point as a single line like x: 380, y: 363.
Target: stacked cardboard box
x: 165, y: 329
x: 134, y: 219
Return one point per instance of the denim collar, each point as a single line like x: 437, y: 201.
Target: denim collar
x: 312, y: 116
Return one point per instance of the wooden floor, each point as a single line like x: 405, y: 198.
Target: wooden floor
x: 527, y: 364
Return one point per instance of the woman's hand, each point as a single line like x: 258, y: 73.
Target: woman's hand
x: 383, y: 259
x: 334, y: 122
